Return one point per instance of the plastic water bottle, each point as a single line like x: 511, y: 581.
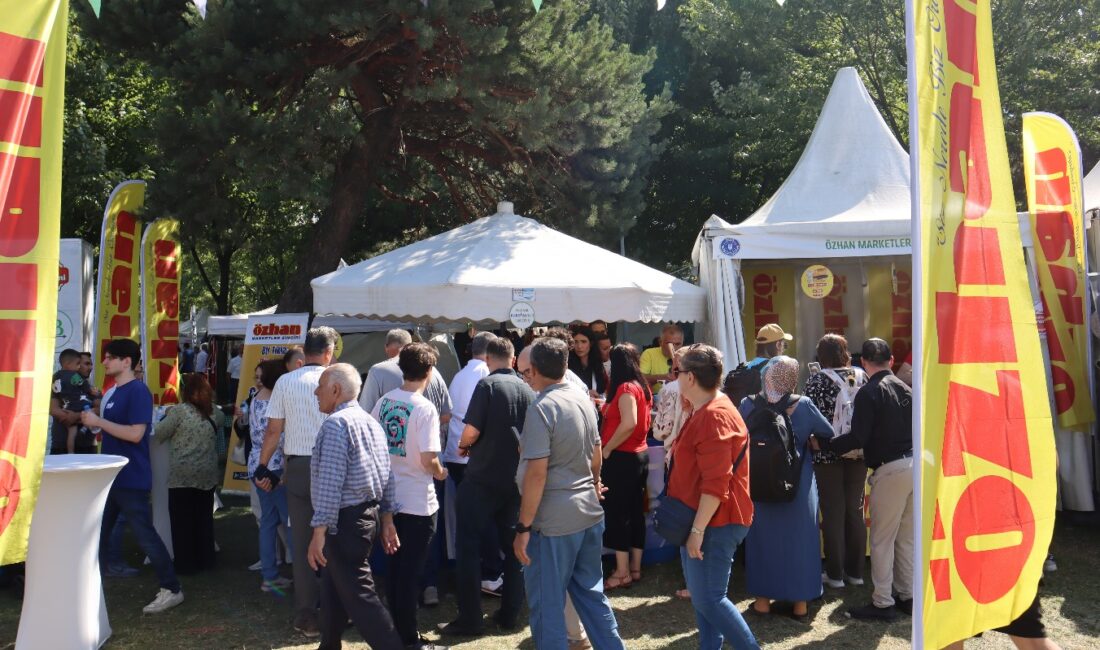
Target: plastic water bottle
x: 95, y: 430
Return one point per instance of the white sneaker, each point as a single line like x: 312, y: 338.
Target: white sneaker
x: 829, y: 582
x: 1049, y: 565
x: 492, y: 587
x: 855, y: 582
x: 165, y: 600
x: 431, y: 596
x: 256, y: 566
x: 278, y: 584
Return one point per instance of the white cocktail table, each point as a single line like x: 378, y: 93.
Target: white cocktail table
x: 63, y: 555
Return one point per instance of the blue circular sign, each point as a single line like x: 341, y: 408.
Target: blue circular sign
x: 729, y: 246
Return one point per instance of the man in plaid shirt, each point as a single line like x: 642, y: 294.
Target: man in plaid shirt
x: 352, y: 493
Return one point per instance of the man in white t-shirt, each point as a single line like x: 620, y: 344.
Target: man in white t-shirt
x: 411, y: 424
x: 294, y: 419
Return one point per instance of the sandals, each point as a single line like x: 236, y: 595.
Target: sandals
x: 613, y: 582
x: 635, y: 576
x: 682, y: 594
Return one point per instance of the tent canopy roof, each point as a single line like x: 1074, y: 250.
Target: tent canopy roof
x: 848, y: 195
x: 852, y: 178
x: 478, y: 271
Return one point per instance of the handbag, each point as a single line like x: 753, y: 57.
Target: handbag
x: 673, y: 518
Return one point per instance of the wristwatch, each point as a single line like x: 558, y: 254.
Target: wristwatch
x: 696, y: 531
x: 520, y: 528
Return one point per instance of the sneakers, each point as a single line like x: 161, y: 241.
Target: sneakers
x: 256, y: 566
x: 492, y: 587
x: 306, y: 624
x: 278, y: 585
x: 829, y: 582
x: 165, y: 600
x: 121, y: 571
x: 430, y: 597
x: 855, y: 582
x: 1050, y: 566
x: 424, y: 644
x: 579, y: 644
x: 872, y: 613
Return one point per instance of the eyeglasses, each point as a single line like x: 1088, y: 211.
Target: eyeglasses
x: 676, y: 372
x: 526, y: 372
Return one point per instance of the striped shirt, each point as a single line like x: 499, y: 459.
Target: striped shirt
x: 350, y: 465
x: 293, y: 401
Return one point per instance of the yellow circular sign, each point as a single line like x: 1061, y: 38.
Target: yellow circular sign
x: 817, y: 281
x: 338, y: 348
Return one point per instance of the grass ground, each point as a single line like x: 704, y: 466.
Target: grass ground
x: 226, y: 609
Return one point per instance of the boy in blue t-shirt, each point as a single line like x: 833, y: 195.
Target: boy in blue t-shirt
x: 126, y: 422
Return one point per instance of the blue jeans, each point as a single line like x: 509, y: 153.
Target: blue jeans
x: 134, y: 504
x: 569, y: 563
x: 114, y: 548
x: 708, y: 580
x: 273, y: 512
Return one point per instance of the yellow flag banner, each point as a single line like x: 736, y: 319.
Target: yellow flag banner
x: 987, y: 476
x: 160, y: 309
x: 266, y: 337
x: 118, y: 313
x: 890, y: 307
x: 32, y: 90
x: 769, y: 298
x: 1052, y: 174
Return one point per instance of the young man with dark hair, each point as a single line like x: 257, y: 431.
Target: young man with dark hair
x: 488, y: 493
x: 411, y: 423
x: 126, y: 423
x: 882, y: 425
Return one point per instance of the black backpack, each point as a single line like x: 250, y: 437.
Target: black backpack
x: 742, y: 381
x: 775, y: 465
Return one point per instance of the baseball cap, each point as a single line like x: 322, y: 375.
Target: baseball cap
x: 771, y: 333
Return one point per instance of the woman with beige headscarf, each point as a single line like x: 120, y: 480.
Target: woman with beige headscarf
x: 783, y: 548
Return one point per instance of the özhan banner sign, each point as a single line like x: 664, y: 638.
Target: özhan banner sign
x: 118, y: 301
x: 160, y: 309
x: 32, y: 88
x: 982, y: 421
x: 267, y: 336
x: 1052, y: 174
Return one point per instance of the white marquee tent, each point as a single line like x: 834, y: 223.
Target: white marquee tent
x: 234, y: 325
x: 1090, y: 188
x: 482, y: 270
x: 847, y: 197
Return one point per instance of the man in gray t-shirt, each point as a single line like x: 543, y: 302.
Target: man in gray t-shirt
x: 559, y: 537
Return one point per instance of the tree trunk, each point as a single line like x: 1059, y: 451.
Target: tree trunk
x: 225, y: 267
x: 354, y: 174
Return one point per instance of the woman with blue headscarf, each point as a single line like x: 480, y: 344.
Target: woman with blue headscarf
x: 783, y: 547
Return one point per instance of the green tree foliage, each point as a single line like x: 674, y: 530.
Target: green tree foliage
x: 445, y: 108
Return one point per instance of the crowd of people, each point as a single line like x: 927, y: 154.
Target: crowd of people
x: 548, y: 452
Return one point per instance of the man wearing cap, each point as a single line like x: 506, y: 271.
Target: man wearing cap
x: 882, y: 425
x: 771, y: 341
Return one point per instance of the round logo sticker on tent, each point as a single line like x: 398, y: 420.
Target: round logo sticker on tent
x: 817, y: 281
x: 522, y: 315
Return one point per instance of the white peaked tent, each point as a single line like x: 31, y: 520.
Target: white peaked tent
x: 482, y: 270
x: 847, y: 197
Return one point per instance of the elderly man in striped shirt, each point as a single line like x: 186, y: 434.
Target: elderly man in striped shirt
x: 353, y: 493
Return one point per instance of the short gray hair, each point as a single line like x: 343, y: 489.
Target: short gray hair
x: 398, y: 337
x: 346, y: 377
x: 319, y: 340
x: 550, y: 357
x: 705, y: 362
x: 480, y: 343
